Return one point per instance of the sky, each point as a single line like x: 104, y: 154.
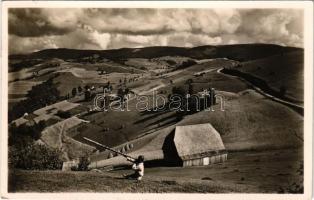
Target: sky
x: 34, y: 29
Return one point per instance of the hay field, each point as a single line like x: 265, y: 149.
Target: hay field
x: 17, y: 90
x: 55, y: 136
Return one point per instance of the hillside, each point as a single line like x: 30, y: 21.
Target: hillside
x: 265, y: 169
x: 284, y: 70
x: 258, y: 139
x: 241, y: 52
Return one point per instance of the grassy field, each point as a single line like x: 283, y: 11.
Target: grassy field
x: 251, y: 121
x: 284, y: 70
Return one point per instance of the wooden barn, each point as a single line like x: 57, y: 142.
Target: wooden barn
x: 191, y: 145
x: 199, y: 144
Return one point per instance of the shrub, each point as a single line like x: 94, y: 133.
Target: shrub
x: 35, y: 156
x: 74, y: 91
x: 24, y: 132
x: 143, y: 68
x: 186, y: 64
x: 63, y: 114
x: 83, y: 164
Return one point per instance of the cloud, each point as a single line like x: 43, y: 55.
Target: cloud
x: 35, y: 29
x: 274, y: 26
x: 37, y: 22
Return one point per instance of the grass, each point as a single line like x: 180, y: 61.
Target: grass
x: 123, y: 125
x: 94, y: 182
x: 44, y: 181
x: 251, y: 121
x: 280, y: 70
x: 243, y: 172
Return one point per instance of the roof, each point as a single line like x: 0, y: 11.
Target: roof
x: 20, y: 121
x: 195, y: 141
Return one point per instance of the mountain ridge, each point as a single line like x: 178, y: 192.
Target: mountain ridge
x: 240, y: 52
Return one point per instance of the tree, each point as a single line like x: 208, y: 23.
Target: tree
x: 74, y: 92
x: 179, y: 91
x: 86, y: 87
x: 63, y: 114
x: 191, y: 89
x: 87, y: 95
x: 79, y: 89
x: 83, y: 163
x: 190, y: 85
x: 35, y: 156
x: 120, y: 94
x: 126, y: 91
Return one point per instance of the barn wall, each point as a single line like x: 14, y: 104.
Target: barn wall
x: 205, y: 160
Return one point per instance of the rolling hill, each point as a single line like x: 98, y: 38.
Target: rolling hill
x: 240, y: 52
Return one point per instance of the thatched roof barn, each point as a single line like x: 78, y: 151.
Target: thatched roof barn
x: 199, y: 144
x: 188, y: 145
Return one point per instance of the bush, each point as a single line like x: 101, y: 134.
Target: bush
x: 143, y: 68
x: 186, y: 64
x: 64, y: 114
x: 35, y: 156
x: 24, y: 132
x: 82, y: 165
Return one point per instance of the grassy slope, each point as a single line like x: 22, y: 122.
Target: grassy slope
x: 280, y: 70
x: 249, y: 172
x: 66, y: 82
x: 259, y: 122
x: 134, y: 124
x: 251, y: 121
x: 49, y: 181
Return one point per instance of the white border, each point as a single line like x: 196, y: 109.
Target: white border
x: 308, y: 88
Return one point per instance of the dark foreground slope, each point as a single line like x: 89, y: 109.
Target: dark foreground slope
x: 244, y: 172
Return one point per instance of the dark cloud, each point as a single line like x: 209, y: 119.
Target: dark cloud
x: 102, y: 28
x: 32, y: 23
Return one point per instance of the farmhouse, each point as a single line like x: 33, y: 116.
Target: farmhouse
x: 199, y: 144
x: 191, y: 145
